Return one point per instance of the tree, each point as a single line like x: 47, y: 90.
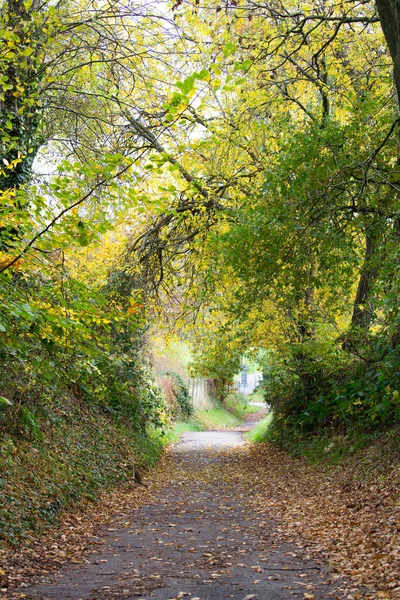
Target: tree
x: 305, y: 91
x: 69, y: 85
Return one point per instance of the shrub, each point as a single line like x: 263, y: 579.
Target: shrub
x: 177, y: 394
x: 318, y: 386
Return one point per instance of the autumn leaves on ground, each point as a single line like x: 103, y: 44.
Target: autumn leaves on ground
x: 344, y: 516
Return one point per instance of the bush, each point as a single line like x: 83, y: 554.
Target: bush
x: 78, y: 401
x: 318, y: 386
x: 177, y: 395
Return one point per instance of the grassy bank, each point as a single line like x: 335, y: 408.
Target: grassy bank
x: 217, y: 418
x: 174, y: 434
x: 260, y: 433
x: 203, y: 420
x: 75, y: 457
x: 239, y: 405
x: 329, y: 446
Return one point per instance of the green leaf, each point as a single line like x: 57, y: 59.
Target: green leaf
x: 27, y: 51
x: 5, y: 402
x: 229, y: 49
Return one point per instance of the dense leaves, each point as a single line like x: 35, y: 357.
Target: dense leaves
x: 73, y: 348
x: 303, y: 261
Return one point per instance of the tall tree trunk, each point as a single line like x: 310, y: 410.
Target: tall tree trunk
x: 363, y: 305
x: 389, y: 16
x: 20, y: 108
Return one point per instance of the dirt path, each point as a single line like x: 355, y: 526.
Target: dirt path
x: 197, y: 539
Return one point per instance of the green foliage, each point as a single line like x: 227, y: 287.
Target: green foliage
x: 260, y: 433
x: 72, y: 333
x: 23, y: 37
x: 78, y: 395
x: 182, y: 396
x: 30, y: 423
x: 330, y: 446
x: 251, y: 187
x: 4, y: 402
x: 238, y: 404
x: 179, y: 427
x: 92, y: 347
x: 306, y: 156
x: 319, y: 388
x: 217, y: 353
x: 217, y: 417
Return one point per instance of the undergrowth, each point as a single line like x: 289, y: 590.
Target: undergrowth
x: 329, y: 447
x: 328, y: 402
x: 77, y: 456
x: 260, y: 432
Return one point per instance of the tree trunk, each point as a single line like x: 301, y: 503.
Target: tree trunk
x: 363, y: 306
x: 20, y: 106
x: 20, y: 110
x: 389, y: 15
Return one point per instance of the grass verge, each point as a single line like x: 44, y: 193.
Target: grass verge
x: 217, y: 418
x: 174, y: 434
x: 257, y: 396
x: 260, y: 432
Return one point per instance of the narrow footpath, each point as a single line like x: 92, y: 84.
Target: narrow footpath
x: 197, y: 538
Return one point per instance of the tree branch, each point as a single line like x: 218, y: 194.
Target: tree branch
x: 59, y: 216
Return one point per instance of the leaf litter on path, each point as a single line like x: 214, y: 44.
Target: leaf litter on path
x: 346, y: 516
